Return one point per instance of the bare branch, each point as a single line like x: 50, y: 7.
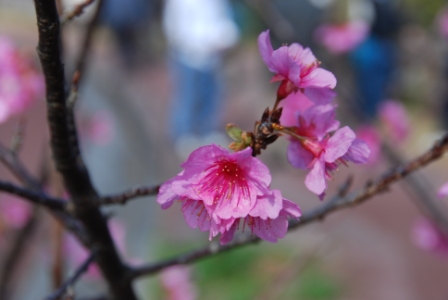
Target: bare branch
x: 133, y: 193
x: 35, y: 197
x: 370, y: 190
x: 17, y: 138
x: 67, y: 156
x: 77, y: 11
x: 72, y: 280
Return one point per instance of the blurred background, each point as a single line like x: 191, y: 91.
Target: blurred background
x: 164, y: 77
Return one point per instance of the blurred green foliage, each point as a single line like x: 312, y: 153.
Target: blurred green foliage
x: 425, y: 11
x: 257, y: 273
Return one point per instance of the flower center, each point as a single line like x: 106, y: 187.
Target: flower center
x: 312, y: 146
x: 224, y: 180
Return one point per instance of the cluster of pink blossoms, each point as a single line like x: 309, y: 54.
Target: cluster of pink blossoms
x: 221, y: 191
x: 317, y: 142
x: 20, y: 83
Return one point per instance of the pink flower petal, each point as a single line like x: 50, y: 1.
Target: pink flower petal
x: 298, y: 156
x: 315, y: 180
x: 339, y: 144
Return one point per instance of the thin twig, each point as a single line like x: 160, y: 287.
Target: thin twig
x: 33, y: 196
x: 17, y: 138
x: 133, y: 193
x: 76, y: 11
x: 72, y: 280
x: 17, y: 168
x: 371, y: 189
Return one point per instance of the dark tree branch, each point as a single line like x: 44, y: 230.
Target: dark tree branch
x: 371, y: 189
x: 35, y: 197
x: 133, y: 193
x: 72, y: 280
x: 67, y: 157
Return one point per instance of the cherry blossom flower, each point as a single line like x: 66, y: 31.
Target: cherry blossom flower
x: 228, y: 182
x: 319, y: 151
x: 342, y: 38
x: 218, y: 188
x: 395, y: 118
x: 297, y: 68
x: 427, y: 236
x: 176, y: 281
x: 20, y: 83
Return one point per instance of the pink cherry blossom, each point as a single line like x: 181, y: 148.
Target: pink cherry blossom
x: 443, y: 191
x: 229, y: 182
x: 371, y: 136
x: 342, y: 38
x: 14, y: 212
x: 176, y: 282
x: 297, y: 68
x: 20, y: 83
x: 395, y: 118
x: 320, y: 152
x: 218, y: 188
x: 427, y: 236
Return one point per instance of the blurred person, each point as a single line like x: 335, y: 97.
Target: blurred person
x: 125, y: 18
x: 374, y: 60
x: 198, y: 32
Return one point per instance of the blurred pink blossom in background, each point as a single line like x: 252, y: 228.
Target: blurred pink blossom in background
x: 341, y: 38
x: 99, y: 128
x: 14, y: 212
x: 442, y: 23
x: 372, y: 137
x: 20, y: 83
x: 176, y: 282
x: 443, y: 191
x: 427, y: 236
x: 77, y: 254
x: 395, y: 118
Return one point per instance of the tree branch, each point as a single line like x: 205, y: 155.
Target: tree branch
x: 67, y: 156
x: 371, y: 189
x: 133, y: 193
x: 77, y: 11
x: 35, y: 197
x: 72, y: 280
